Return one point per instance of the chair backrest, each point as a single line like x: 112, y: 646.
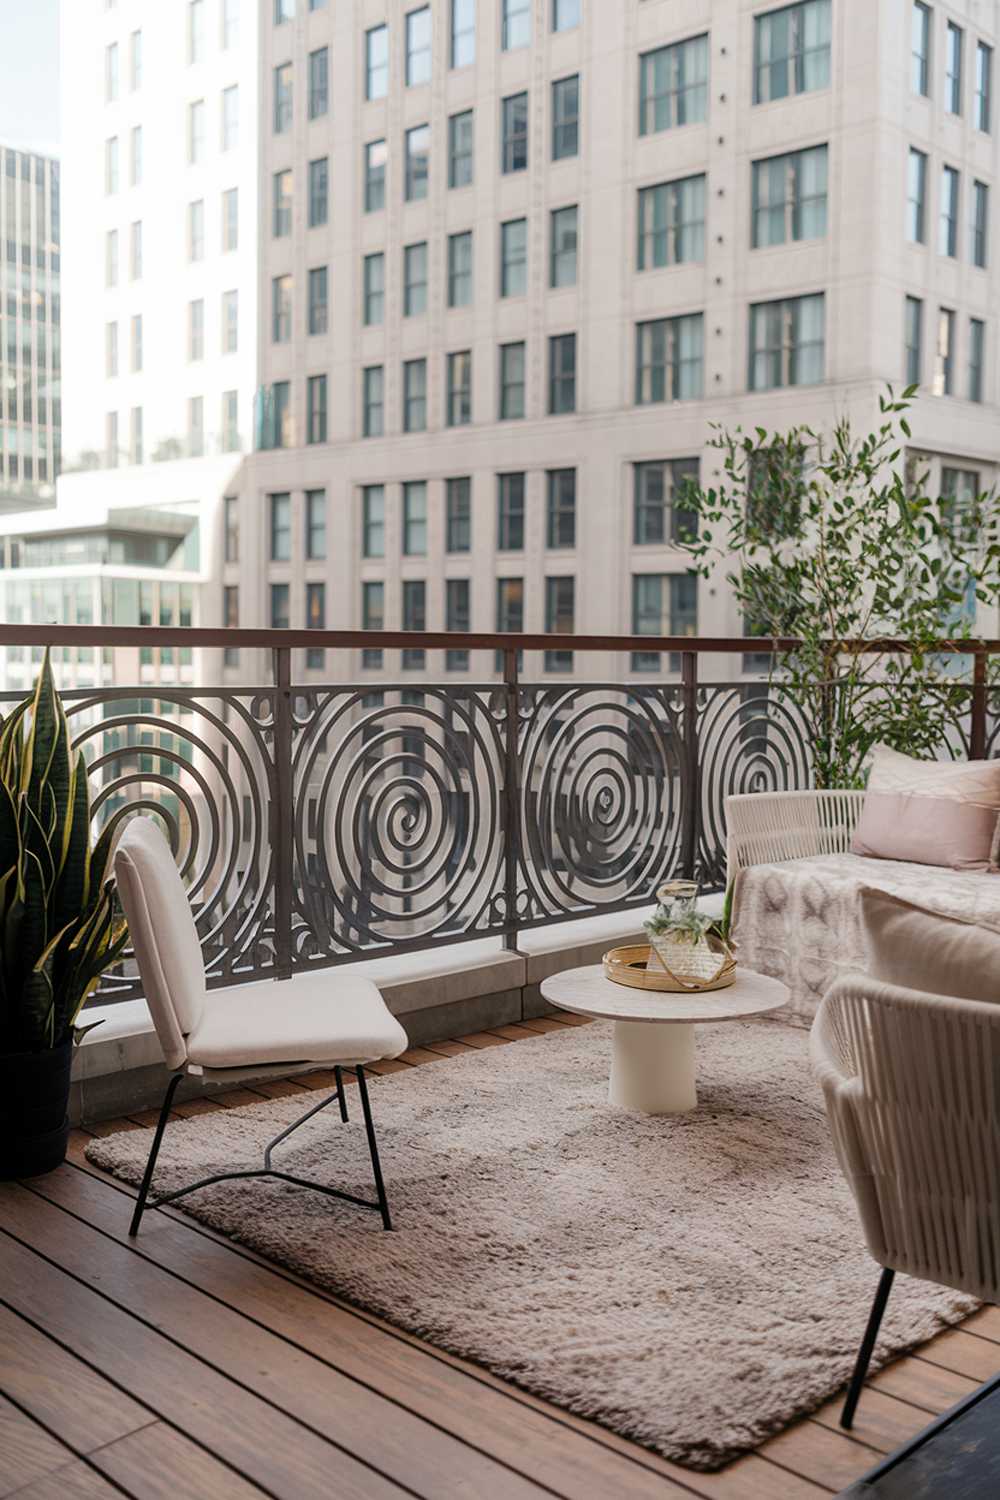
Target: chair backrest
x: 768, y: 827
x: 163, y: 934
x: 912, y: 1087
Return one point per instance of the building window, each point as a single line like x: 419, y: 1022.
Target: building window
x: 414, y: 618
x: 510, y: 608
x: 418, y: 150
x: 516, y: 24
x: 660, y: 516
x: 916, y: 198
x: 374, y: 289
x: 110, y: 164
x: 913, y: 319
x: 373, y: 521
x: 135, y: 60
x: 791, y: 50
x: 281, y: 527
x: 196, y: 31
x: 231, y: 620
x: 565, y: 118
x: 319, y: 192
x: 274, y: 416
x: 196, y: 426
x: 373, y: 401
x: 565, y: 14
x: 415, y: 395
x: 377, y: 62
x: 511, y: 381
x: 112, y: 454
x: 669, y: 359
x: 662, y: 604
x: 196, y: 230
x: 230, y: 422
x: 463, y: 33
x: 230, y: 322
x: 415, y: 519
x: 110, y: 257
x: 372, y: 618
x: 375, y: 159
x: 514, y: 133
x: 315, y: 620
x: 415, y: 279
x: 673, y: 85
x: 135, y: 155
x: 319, y: 314
x: 953, y: 69
x: 460, y: 388
x: 282, y: 98
x: 230, y: 219
x: 319, y: 82
x: 280, y: 614
x: 562, y: 374
x: 510, y: 512
x: 672, y: 223
x: 231, y: 528
x: 514, y: 258
x: 787, y: 342
x: 458, y: 515
x: 560, y: 602
x: 230, y: 23
x: 977, y: 340
x: 920, y: 76
x: 944, y: 354
x: 316, y: 409
x: 563, y: 247
x: 281, y: 309
x: 282, y: 220
x: 948, y: 220
x: 460, y: 269
x: 983, y: 109
x: 458, y: 619
x: 230, y: 118
x: 284, y: 10
x: 980, y: 223
x: 418, y: 46
x: 110, y: 350
x: 196, y: 329
x: 560, y: 528
x: 789, y: 197
x: 460, y: 149
x: 111, y: 73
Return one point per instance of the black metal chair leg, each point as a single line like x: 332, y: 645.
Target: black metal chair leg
x: 867, y: 1345
x: 288, y: 1130
x: 154, y: 1152
x: 383, y: 1202
x: 338, y: 1074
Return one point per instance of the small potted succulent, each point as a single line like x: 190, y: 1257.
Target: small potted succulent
x: 58, y: 925
x: 688, y: 944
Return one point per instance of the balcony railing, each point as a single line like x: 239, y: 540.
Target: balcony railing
x: 324, y: 824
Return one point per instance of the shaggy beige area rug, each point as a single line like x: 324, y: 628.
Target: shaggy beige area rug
x: 692, y: 1282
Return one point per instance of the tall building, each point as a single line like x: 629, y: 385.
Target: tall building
x: 30, y: 272
x: 500, y: 265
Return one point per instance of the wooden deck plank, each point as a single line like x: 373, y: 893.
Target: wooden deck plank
x: 929, y: 1386
x: 819, y: 1453
x: 881, y: 1421
x: 159, y: 1463
x: 76, y: 1481
x: 964, y: 1354
x: 27, y: 1451
x: 452, y: 1048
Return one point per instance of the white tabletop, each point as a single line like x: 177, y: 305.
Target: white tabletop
x: 587, y: 992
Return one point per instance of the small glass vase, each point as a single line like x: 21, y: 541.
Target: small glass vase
x: 683, y: 952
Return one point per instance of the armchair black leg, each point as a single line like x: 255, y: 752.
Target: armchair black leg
x: 154, y: 1152
x: 338, y: 1074
x: 867, y: 1345
x: 383, y: 1202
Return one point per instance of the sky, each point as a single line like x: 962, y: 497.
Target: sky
x: 29, y: 74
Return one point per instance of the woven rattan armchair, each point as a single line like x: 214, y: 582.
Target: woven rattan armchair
x: 764, y: 827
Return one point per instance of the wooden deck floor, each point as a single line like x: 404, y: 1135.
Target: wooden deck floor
x: 187, y: 1367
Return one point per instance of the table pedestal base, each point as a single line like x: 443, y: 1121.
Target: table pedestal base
x: 653, y: 1067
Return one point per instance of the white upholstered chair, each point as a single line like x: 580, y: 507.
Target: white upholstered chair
x: 765, y: 827
x: 912, y: 1089
x: 316, y: 1020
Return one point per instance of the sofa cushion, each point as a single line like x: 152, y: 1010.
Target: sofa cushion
x: 910, y: 944
x: 930, y: 812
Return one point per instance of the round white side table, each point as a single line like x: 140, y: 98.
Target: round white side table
x: 653, y: 1050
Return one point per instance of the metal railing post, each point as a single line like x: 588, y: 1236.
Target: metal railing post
x: 511, y: 797
x: 690, y: 766
x: 977, y: 727
x: 282, y: 812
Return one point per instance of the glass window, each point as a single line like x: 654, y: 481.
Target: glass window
x: 977, y: 340
x: 284, y: 10
x: 111, y: 350
x: 510, y: 512
x: 230, y: 117
x: 458, y: 515
x: 463, y: 33
x: 565, y: 14
x: 560, y: 530
x: 230, y: 219
x: 458, y: 618
x: 282, y: 98
x: 135, y: 444
x: 281, y: 527
x: 514, y: 258
x: 514, y: 145
x: 230, y: 422
x: 414, y: 279
x: 316, y: 409
x: 373, y: 401
x: 315, y: 620
x: 110, y: 257
x: 791, y: 50
x: 231, y: 528
x: 415, y: 519
x: 662, y: 604
x: 196, y: 30
x: 281, y: 309
x: 111, y: 73
x: 230, y: 23
x: 319, y: 83
x: 375, y: 159
x: 565, y: 118
x: 135, y: 155
x: 418, y: 150
x: 373, y: 521
x: 415, y: 395
x: 787, y: 342
x: 789, y: 197
x: 460, y: 149
x: 562, y: 374
x: 511, y: 381
x: 230, y: 322
x: 377, y: 62
x: 510, y: 606
x: 280, y: 613
x: 110, y: 164
x: 516, y: 25
x: 418, y: 46
x: 231, y: 618
x: 460, y: 388
x: 948, y: 221
x: 672, y: 223
x: 560, y: 601
x: 920, y: 80
x: 414, y: 618
x: 953, y: 69
x: 983, y: 110
x: 673, y: 85
x: 913, y: 320
x: 374, y: 289
x: 135, y: 59
x: 916, y: 197
x: 319, y: 314
x: 372, y: 618
x: 196, y: 329
x: 460, y: 269
x: 282, y: 221
x: 660, y: 515
x: 319, y: 192
x: 563, y: 247
x: 980, y: 223
x: 669, y: 359
x: 942, y: 383
x: 275, y: 417
x: 196, y: 230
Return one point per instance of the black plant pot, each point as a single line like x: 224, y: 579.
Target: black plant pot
x: 34, y: 1094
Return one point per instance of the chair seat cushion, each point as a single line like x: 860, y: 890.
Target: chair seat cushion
x: 325, y: 1017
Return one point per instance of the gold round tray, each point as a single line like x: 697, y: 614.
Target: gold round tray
x: 629, y: 966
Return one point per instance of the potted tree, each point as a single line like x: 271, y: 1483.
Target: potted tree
x: 58, y: 925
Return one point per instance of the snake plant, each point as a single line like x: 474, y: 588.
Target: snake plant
x: 58, y: 924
